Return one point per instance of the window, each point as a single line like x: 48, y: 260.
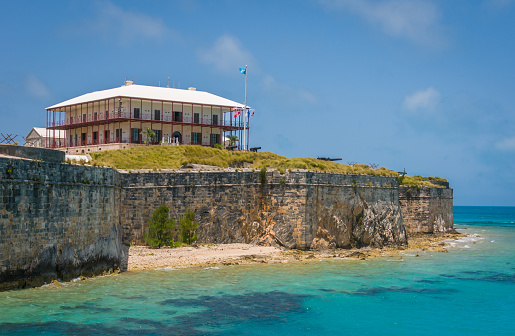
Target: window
x: 83, y: 139
x: 157, y: 136
x: 118, y: 135
x: 71, y: 120
x: 215, y: 120
x: 135, y: 135
x: 157, y: 114
x: 84, y: 119
x: 107, y: 114
x: 136, y: 114
x: 215, y: 138
x: 95, y: 116
x: 107, y: 133
x: 197, y: 138
x: 177, y: 116
x: 196, y: 118
x: 95, y: 137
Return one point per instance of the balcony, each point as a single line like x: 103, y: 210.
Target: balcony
x: 101, y: 119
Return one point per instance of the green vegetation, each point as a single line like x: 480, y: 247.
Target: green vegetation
x: 161, y: 226
x: 232, y: 139
x: 173, y: 157
x: 419, y: 181
x: 188, y: 227
x: 149, y: 134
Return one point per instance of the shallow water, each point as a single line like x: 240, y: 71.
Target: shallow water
x: 468, y: 291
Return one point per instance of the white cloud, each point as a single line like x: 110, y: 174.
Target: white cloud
x: 425, y: 99
x: 36, y: 88
x: 499, y: 4
x: 287, y: 93
x: 416, y: 20
x: 122, y: 26
x: 507, y: 144
x: 226, y: 55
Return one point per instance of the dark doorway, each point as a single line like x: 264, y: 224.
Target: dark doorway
x: 178, y: 136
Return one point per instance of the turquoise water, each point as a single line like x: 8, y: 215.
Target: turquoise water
x: 468, y: 291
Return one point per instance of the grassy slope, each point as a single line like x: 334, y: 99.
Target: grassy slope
x: 173, y: 157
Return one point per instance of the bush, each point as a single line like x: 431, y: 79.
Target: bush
x: 160, y: 228
x: 188, y: 227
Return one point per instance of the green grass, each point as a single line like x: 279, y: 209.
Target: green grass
x: 168, y: 157
x: 419, y: 181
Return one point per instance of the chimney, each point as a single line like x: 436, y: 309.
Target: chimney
x: 128, y: 82
x: 192, y: 89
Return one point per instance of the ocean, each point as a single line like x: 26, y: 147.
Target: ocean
x: 468, y: 291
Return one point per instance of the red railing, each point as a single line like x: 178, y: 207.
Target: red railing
x: 125, y: 115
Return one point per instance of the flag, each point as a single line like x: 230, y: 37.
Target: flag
x: 239, y: 112
x: 235, y: 114
x: 252, y: 113
x: 243, y: 71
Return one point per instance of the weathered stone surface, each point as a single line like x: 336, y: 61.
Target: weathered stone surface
x: 62, y: 221
x: 426, y: 210
x: 300, y: 210
x: 33, y: 153
x: 53, y: 226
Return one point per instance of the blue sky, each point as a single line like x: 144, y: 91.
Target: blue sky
x: 424, y: 85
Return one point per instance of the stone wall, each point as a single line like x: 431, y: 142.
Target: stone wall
x: 33, y: 153
x: 296, y: 210
x: 60, y: 221
x: 426, y: 210
x: 56, y: 221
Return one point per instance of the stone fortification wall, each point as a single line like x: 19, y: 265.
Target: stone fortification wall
x: 33, y: 153
x: 426, y: 210
x: 56, y: 221
x: 296, y: 210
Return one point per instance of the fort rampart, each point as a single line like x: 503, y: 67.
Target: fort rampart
x: 60, y: 220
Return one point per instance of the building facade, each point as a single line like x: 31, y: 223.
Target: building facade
x: 41, y: 137
x: 117, y: 118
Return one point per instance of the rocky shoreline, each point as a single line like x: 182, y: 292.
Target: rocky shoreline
x: 141, y: 258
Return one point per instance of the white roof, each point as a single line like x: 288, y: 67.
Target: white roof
x: 151, y: 93
x: 42, y: 133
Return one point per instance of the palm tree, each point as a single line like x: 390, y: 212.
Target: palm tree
x: 232, y: 139
x: 149, y: 134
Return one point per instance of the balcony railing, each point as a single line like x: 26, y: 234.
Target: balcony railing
x: 114, y: 140
x: 125, y: 115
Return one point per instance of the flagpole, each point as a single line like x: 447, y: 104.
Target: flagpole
x: 245, y: 113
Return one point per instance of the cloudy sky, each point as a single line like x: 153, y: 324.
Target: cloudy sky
x: 422, y: 85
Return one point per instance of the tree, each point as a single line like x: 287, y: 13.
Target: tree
x: 188, y: 227
x: 160, y: 228
x: 149, y: 134
x: 232, y: 139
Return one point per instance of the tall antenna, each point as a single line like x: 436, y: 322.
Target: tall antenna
x: 168, y: 81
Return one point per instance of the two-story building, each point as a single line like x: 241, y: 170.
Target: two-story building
x: 117, y: 118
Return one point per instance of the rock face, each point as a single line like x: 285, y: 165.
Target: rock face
x: 57, y: 221
x: 427, y: 210
x: 300, y: 210
x: 62, y: 221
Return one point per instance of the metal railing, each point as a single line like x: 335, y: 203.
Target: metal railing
x: 146, y: 117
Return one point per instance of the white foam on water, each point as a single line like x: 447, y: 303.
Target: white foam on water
x: 214, y: 267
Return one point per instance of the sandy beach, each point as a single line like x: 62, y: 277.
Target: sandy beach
x: 139, y: 258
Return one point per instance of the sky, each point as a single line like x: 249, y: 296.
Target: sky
x: 422, y: 85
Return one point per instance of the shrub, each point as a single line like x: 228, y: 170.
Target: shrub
x: 262, y: 175
x: 188, y: 227
x: 160, y: 228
